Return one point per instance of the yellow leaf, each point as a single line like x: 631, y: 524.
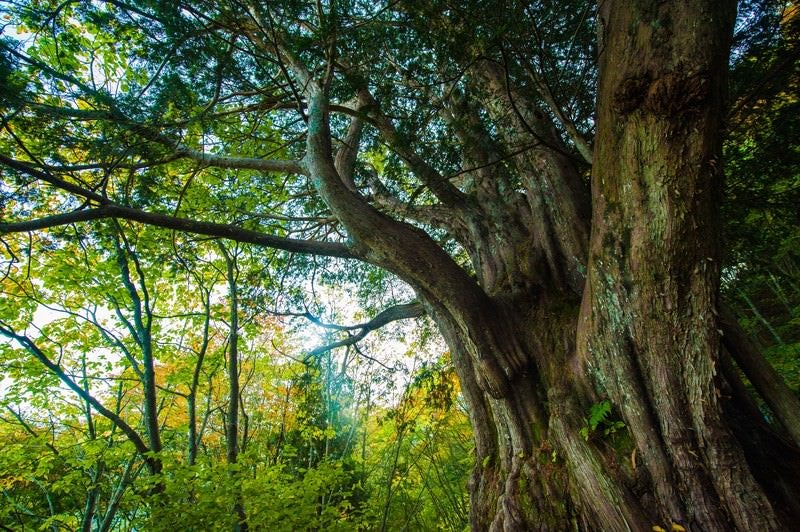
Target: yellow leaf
x: 677, y: 528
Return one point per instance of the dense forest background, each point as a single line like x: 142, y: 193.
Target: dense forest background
x: 367, y: 436
x: 154, y: 379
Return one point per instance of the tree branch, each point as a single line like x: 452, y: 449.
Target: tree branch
x: 28, y: 429
x: 230, y: 232
x: 437, y: 215
x: 180, y: 150
x: 108, y: 209
x: 398, y: 312
x: 441, y: 187
x: 583, y: 145
x: 767, y: 382
x: 115, y: 115
x: 348, y: 151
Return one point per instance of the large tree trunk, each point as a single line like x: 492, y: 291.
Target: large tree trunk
x: 646, y: 334
x: 649, y: 330
x: 536, y: 470
x: 532, y: 355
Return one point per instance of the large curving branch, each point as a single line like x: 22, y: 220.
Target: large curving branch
x: 106, y: 209
x: 405, y: 250
x: 227, y: 231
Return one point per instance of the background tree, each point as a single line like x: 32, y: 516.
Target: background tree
x: 301, y: 459
x: 761, y: 278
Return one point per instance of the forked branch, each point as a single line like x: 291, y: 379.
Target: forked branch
x: 398, y: 312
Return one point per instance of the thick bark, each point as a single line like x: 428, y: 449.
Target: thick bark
x: 646, y: 333
x: 534, y: 471
x: 648, y: 330
x: 548, y: 172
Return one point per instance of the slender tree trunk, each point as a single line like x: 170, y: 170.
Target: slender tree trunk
x: 191, y: 399
x: 232, y: 417
x: 96, y: 471
x: 141, y: 329
x: 127, y: 478
x: 278, y: 445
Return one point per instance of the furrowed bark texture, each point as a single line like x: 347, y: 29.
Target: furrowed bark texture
x: 648, y: 327
x: 646, y: 332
